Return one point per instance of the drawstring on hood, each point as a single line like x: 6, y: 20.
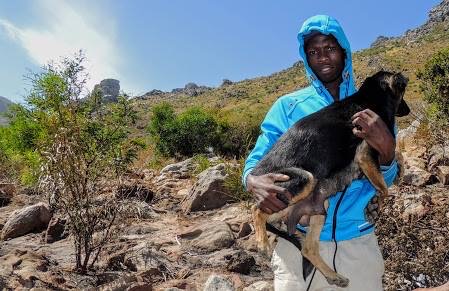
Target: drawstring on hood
x: 328, y: 25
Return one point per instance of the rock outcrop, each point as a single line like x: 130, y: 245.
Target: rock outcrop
x: 208, y: 192
x: 109, y: 90
x: 23, y: 221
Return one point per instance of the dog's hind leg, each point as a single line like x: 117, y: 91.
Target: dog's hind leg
x: 311, y: 251
x: 260, y: 219
x: 300, y: 184
x: 369, y: 164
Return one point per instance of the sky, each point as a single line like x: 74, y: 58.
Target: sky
x: 165, y: 44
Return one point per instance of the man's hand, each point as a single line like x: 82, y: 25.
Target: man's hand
x: 264, y: 191
x: 370, y: 127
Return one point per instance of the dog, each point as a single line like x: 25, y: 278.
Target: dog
x: 321, y: 155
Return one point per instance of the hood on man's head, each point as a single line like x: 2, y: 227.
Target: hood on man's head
x: 325, y: 24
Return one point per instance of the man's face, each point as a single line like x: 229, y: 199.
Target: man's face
x: 325, y: 56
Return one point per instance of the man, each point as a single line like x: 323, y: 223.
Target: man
x: 328, y: 63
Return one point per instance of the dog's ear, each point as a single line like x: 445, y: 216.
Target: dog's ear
x: 384, y: 85
x: 403, y: 109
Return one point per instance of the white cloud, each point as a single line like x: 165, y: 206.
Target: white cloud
x: 65, y: 31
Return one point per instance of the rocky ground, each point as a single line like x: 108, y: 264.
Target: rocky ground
x: 181, y: 232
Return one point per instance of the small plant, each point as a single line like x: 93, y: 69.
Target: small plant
x: 233, y: 183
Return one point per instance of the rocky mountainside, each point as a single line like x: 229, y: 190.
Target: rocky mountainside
x: 181, y: 230
x: 407, y: 53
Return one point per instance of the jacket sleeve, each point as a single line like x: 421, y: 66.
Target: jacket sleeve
x: 272, y: 127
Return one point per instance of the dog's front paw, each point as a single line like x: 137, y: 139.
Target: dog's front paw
x: 338, y: 280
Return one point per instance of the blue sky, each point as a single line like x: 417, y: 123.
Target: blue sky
x: 164, y: 44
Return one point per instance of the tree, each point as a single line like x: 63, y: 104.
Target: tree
x: 84, y: 150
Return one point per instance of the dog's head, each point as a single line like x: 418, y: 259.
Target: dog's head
x: 393, y: 84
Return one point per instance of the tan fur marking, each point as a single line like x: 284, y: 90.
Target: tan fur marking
x: 372, y: 172
x: 260, y: 219
x: 311, y: 251
x: 306, y: 191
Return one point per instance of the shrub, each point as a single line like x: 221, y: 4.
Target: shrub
x: 186, y: 134
x: 236, y: 138
x: 83, y: 150
x: 435, y: 83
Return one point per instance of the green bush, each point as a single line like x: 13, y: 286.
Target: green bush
x: 186, y: 134
x: 435, y: 83
x: 235, y: 139
x: 195, y: 130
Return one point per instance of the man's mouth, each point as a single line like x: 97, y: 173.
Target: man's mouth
x: 326, y: 69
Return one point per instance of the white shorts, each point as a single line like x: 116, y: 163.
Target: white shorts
x: 358, y: 259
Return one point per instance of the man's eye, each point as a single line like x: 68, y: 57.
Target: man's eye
x: 311, y: 53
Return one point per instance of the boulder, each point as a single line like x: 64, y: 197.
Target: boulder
x: 26, y: 220
x: 214, y: 236
x: 439, y: 156
x: 56, y: 229
x: 443, y: 174
x: 240, y: 262
x: 416, y: 176
x: 406, y: 137
x: 218, y: 283
x: 109, y: 90
x: 260, y: 286
x: 244, y: 230
x: 6, y: 193
x: 208, y: 192
x: 182, y: 169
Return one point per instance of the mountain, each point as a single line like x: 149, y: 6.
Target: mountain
x: 4, y: 104
x: 407, y: 53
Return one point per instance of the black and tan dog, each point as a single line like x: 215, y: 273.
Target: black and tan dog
x: 321, y: 155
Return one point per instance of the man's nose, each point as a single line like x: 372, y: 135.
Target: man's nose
x: 322, y: 56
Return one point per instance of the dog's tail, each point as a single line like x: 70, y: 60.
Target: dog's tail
x: 307, y: 266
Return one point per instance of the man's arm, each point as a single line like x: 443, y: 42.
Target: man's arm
x: 263, y: 187
x: 376, y: 133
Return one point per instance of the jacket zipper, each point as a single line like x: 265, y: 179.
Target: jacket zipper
x: 334, y: 218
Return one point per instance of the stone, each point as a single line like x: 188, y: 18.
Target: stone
x: 26, y: 220
x: 260, y: 286
x: 185, y: 167
x: 56, y: 229
x: 6, y: 193
x: 443, y: 174
x: 439, y: 156
x: 135, y: 190
x: 109, y: 90
x: 416, y: 176
x: 218, y: 283
x: 208, y: 192
x: 245, y: 229
x: 208, y: 238
x: 406, y: 137
x: 415, y: 162
x: 241, y: 263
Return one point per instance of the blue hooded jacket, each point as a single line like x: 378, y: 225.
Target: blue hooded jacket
x: 345, y: 216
